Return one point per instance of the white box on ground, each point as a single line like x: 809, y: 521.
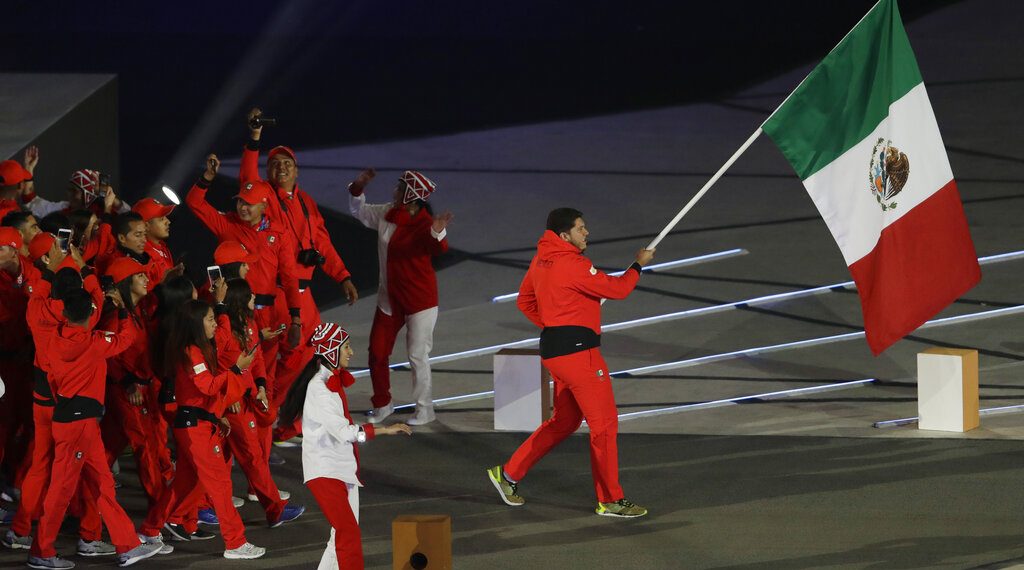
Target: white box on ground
x: 522, y: 390
x: 947, y: 389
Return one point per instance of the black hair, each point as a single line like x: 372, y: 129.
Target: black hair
x: 65, y: 280
x: 78, y: 306
x: 296, y: 398
x: 122, y: 223
x: 54, y: 221
x: 171, y: 296
x: 16, y: 219
x: 563, y: 219
x: 79, y: 223
x: 231, y: 270
x: 236, y: 300
x: 124, y: 287
x: 186, y: 331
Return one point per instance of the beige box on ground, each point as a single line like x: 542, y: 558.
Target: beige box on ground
x: 947, y: 389
x: 426, y: 538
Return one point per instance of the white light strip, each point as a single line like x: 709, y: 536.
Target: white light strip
x: 767, y: 299
x: 656, y: 267
x: 452, y: 400
x: 810, y: 342
x: 734, y: 401
x: 981, y: 412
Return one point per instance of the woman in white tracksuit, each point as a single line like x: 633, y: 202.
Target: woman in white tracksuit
x: 330, y: 460
x: 408, y: 238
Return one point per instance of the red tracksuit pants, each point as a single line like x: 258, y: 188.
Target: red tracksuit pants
x: 340, y: 506
x: 37, y: 481
x: 201, y: 470
x: 583, y: 390
x: 246, y: 447
x: 126, y: 423
x: 293, y: 360
x: 78, y: 455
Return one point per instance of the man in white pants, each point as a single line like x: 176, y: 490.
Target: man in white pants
x: 408, y: 237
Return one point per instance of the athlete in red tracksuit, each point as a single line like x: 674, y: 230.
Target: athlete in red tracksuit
x: 78, y: 373
x: 562, y: 294
x: 130, y: 374
x: 202, y: 390
x: 17, y: 274
x: 44, y: 315
x: 408, y: 238
x: 130, y: 232
x: 270, y: 242
x: 237, y: 334
x: 300, y: 214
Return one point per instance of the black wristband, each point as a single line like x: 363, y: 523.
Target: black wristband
x: 295, y: 312
x: 220, y: 309
x: 252, y: 144
x: 261, y: 383
x: 122, y: 313
x: 203, y: 183
x: 236, y: 369
x: 636, y: 266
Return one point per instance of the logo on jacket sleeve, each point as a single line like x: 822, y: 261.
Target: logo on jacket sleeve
x: 592, y: 270
x: 199, y: 368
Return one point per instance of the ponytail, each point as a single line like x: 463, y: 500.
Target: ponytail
x: 291, y: 409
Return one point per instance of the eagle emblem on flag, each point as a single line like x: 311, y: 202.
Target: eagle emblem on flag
x: 888, y: 174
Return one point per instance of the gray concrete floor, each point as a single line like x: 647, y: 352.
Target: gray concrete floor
x: 801, y: 482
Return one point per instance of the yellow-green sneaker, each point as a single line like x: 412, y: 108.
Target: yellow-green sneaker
x: 506, y: 489
x: 621, y: 508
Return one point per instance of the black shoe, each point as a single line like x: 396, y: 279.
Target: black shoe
x: 177, y: 532
x: 201, y: 534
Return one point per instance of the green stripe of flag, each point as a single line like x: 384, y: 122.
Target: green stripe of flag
x: 848, y: 94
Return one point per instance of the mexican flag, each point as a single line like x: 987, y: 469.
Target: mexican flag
x: 860, y: 133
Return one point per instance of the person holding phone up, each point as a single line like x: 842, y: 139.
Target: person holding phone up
x: 237, y: 334
x: 271, y: 254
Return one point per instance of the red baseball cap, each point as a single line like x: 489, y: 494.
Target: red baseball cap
x: 41, y: 245
x: 232, y: 252
x: 255, y: 192
x: 282, y: 150
x: 12, y: 172
x: 150, y: 208
x: 11, y: 237
x: 122, y: 268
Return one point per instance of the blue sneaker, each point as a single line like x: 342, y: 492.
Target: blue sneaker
x: 275, y: 459
x: 207, y: 516
x: 290, y: 513
x: 7, y: 515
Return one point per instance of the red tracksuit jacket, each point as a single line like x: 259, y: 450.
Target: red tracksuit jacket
x: 273, y: 245
x: 79, y: 367
x: 412, y: 283
x: 229, y: 349
x: 14, y: 294
x: 161, y: 256
x: 153, y: 267
x: 562, y: 287
x: 306, y: 232
x: 197, y: 386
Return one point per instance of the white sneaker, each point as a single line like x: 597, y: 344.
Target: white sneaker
x: 140, y: 552
x: 285, y: 495
x: 156, y: 540
x: 247, y: 551
x: 95, y: 548
x: 238, y: 502
x: 423, y: 416
x: 377, y: 415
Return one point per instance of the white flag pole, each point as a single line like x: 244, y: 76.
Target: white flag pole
x: 703, y: 190
x: 741, y: 150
